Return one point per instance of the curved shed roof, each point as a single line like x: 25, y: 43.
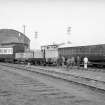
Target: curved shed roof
x: 13, y: 36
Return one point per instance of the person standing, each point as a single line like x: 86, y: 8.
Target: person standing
x: 78, y: 62
x: 63, y: 61
x: 85, y: 62
x: 72, y: 62
x: 28, y: 65
x: 59, y: 61
x: 68, y: 63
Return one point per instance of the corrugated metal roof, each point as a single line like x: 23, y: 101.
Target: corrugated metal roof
x: 13, y: 36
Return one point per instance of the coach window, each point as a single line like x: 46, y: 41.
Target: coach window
x: 0, y: 51
x: 9, y: 51
x: 5, y: 51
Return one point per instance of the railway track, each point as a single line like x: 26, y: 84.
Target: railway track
x: 76, y: 79
x: 28, y: 88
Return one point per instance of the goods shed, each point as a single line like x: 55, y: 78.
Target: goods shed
x: 13, y: 37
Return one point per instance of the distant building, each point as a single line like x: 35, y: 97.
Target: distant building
x: 13, y: 37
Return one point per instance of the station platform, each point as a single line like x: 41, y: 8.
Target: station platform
x: 98, y: 74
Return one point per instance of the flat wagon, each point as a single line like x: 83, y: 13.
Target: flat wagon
x: 38, y: 57
x: 34, y: 57
x: 24, y: 57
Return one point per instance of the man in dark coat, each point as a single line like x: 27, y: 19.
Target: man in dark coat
x: 78, y: 62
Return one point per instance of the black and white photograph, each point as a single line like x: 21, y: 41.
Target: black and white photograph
x: 52, y: 52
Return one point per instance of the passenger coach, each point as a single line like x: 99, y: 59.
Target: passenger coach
x: 95, y: 53
x: 7, y: 53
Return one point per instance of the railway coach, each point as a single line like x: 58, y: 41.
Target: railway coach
x: 95, y: 53
x: 7, y: 53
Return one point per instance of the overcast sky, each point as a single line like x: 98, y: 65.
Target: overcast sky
x: 51, y: 18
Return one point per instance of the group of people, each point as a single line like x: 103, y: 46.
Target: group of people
x: 72, y: 61
x: 69, y: 63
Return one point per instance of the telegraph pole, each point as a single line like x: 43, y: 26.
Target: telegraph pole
x: 69, y: 30
x: 36, y: 35
x: 68, y: 33
x: 24, y: 29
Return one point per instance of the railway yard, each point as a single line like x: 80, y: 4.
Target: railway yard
x: 38, y: 85
x: 52, y: 52
x: 51, y: 75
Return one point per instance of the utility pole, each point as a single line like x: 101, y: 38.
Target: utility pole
x: 69, y: 30
x: 68, y: 33
x: 36, y: 35
x: 24, y: 29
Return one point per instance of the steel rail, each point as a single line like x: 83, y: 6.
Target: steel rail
x: 88, y: 82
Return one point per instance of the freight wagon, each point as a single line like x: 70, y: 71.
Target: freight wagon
x: 38, y: 58
x: 23, y: 57
x: 34, y: 57
x: 95, y: 53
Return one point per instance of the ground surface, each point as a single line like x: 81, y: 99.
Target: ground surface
x: 24, y: 88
